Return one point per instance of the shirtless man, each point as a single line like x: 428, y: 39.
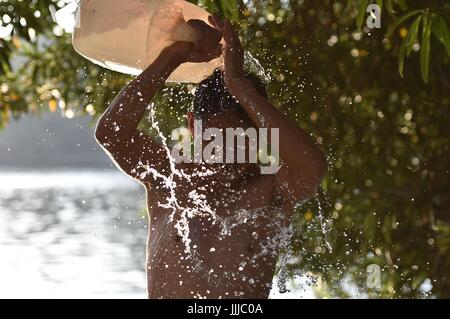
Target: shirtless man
x: 237, y: 227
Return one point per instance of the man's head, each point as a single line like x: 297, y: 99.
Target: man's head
x: 216, y: 107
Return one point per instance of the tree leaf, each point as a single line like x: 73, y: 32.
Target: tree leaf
x: 401, y: 57
x: 380, y: 4
x: 208, y: 5
x: 349, y: 5
x: 403, y: 5
x: 361, y: 13
x: 390, y: 7
x: 230, y: 9
x: 425, y: 47
x: 412, y: 35
x: 441, y: 31
x: 402, y: 19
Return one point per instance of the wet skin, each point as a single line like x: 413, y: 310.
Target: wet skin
x: 240, y: 262
x: 222, y: 263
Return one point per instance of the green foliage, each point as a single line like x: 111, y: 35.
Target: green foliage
x: 425, y: 51
x: 361, y: 13
x: 430, y: 23
x: 385, y: 199
x: 228, y: 9
x: 442, y: 32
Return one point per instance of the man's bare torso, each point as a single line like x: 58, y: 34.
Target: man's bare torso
x: 231, y: 255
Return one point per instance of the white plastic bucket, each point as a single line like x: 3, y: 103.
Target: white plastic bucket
x: 128, y: 35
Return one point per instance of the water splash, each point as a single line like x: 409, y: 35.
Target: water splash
x: 322, y: 223
x: 201, y: 206
x: 284, y: 266
x: 252, y: 65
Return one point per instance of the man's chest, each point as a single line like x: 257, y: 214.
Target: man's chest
x: 236, y: 222
x: 205, y: 212
x: 226, y: 198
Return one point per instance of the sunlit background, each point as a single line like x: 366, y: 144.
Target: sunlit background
x: 375, y: 100
x: 70, y: 225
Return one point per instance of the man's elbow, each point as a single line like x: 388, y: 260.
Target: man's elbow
x: 101, y: 135
x: 306, y: 181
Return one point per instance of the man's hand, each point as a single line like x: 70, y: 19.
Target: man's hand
x: 233, y: 52
x: 205, y: 50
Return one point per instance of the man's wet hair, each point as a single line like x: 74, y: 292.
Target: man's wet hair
x: 212, y: 96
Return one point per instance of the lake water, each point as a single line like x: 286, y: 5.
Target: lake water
x: 74, y: 234
x: 78, y: 234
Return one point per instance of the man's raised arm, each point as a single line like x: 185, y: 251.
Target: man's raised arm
x: 117, y: 128
x: 304, y: 164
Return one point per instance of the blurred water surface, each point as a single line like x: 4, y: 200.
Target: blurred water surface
x: 71, y: 234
